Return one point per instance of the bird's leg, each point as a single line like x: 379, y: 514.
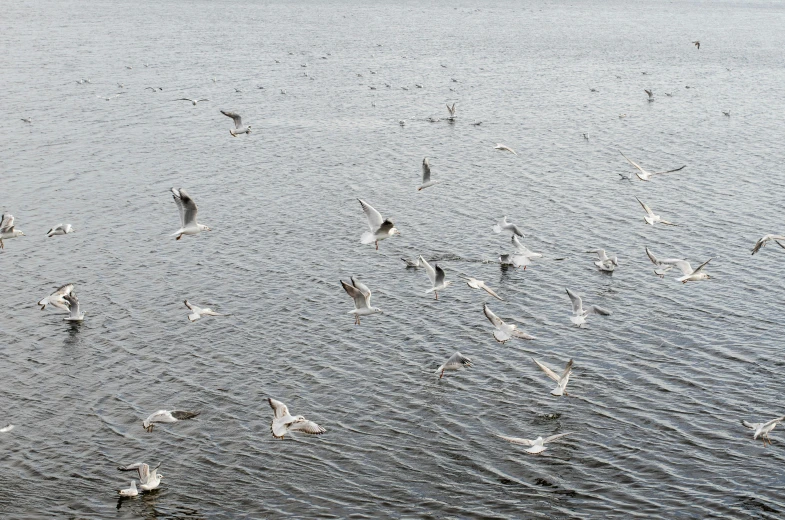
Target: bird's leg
x: 436, y: 294
x: 524, y: 267
x: 179, y: 237
x: 2, y: 246
x: 442, y: 374
x: 377, y: 245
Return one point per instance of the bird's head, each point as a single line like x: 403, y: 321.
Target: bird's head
x: 19, y: 233
x: 394, y: 231
x: 377, y: 310
x: 160, y: 476
x: 202, y: 227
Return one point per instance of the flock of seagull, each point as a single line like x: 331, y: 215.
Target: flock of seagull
x: 379, y: 229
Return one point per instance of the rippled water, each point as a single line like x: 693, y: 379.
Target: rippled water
x: 657, y: 390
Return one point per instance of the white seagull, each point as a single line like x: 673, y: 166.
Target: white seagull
x: 73, y: 307
x: 762, y: 242
x: 605, y: 262
x: 451, y: 109
x: 521, y: 257
x: 130, y: 492
x: 505, y: 225
x: 7, y: 229
x: 167, y: 416
x: 663, y: 264
x: 456, y: 362
x: 537, y: 445
x: 6, y: 429
x: 412, y: 265
x: 60, y: 229
x: 436, y: 276
x: 650, y: 93
x: 504, y: 148
x: 763, y: 429
x: 148, y: 480
x: 691, y: 275
x: 380, y: 228
x: 361, y: 295
x: 579, y: 313
x: 283, y: 423
x: 561, y: 380
x: 643, y: 174
x: 503, y: 330
x: 479, y: 284
x: 198, y: 312
x: 651, y: 218
x: 426, y: 176
x: 238, y: 124
x: 187, y: 207
x: 195, y: 101
x: 57, y: 298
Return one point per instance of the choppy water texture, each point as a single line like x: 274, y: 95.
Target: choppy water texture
x: 658, y: 388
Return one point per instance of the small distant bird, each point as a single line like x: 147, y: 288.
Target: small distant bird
x: 412, y: 265
x: 456, y: 362
x: 110, y: 97
x: 433, y: 119
x: 60, y: 229
x: 663, y: 264
x: 605, y: 262
x: 238, y: 124
x: 372, y: 88
x: 504, y: 148
x: 690, y: 274
x: 650, y: 217
x: 128, y: 67
x: 436, y: 276
x: 57, y: 298
x: 579, y: 314
x: 405, y: 88
x: 697, y: 44
x: 454, y: 80
x: 130, y: 492
x: 451, y: 109
x: 763, y: 429
x: 650, y: 93
x: 594, y: 90
x: 238, y: 90
x: 361, y: 294
x: 505, y: 225
x: 643, y: 174
x: 167, y: 416
x: 401, y: 122
x: 504, y: 331
x: 418, y: 85
x: 148, y: 480
x: 188, y: 210
x: 6, y: 429
x: 73, y: 307
x: 283, y: 91
x: 727, y: 114
x: 121, y: 85
x: 284, y: 423
x: 154, y: 89
x: 27, y: 120
x: 193, y: 101
x: 277, y: 61
x: 380, y: 229
x: 586, y: 136
x: 426, y: 176
x: 561, y: 380
x: 622, y: 116
x: 477, y: 123
x: 198, y: 312
x: 7, y: 229
x: 762, y: 242
x: 479, y: 284
x: 537, y: 445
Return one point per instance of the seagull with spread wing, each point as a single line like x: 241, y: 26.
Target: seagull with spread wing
x: 361, y: 295
x: 762, y: 242
x: 436, y: 276
x: 763, y: 429
x: 479, y: 284
x: 148, y: 480
x: 187, y: 208
x: 57, y: 298
x: 650, y: 217
x: 7, y: 229
x: 167, y: 416
x: 238, y: 124
x: 690, y: 274
x: 646, y: 175
x: 505, y: 225
x: 456, y: 362
x: 663, y: 264
x: 503, y: 331
x: 198, y: 312
x: 579, y: 313
x: 75, y: 313
x: 561, y: 380
x: 60, y: 229
x: 504, y: 148
x: 284, y: 423
x: 537, y: 445
x: 451, y: 109
x: 426, y: 176
x: 194, y: 102
x: 379, y: 227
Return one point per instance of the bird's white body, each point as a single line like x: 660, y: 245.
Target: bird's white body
x: 521, y: 257
x: 198, y: 312
x: 75, y: 313
x: 148, y: 479
x: 284, y: 423
x: 436, y: 276
x: 380, y: 228
x: 130, y: 492
x: 561, y: 380
x: 690, y: 274
x: 537, y: 445
x: 604, y: 262
x: 60, y: 229
x: 504, y: 331
x: 57, y: 298
x: 504, y: 148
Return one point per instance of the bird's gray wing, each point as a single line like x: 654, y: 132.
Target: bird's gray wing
x: 73, y: 304
x: 426, y: 171
x: 182, y: 415
x: 684, y: 266
x: 279, y: 409
x: 700, y: 267
x: 386, y: 226
x: 646, y: 208
x: 188, y: 208
x: 751, y: 425
x: 363, y: 288
x: 631, y: 162
x: 577, y: 303
x: 652, y: 257
x: 238, y: 121
x: 494, y: 319
x: 374, y: 217
x: 180, y: 206
x: 439, y: 275
x: 567, y: 369
x: 550, y: 373
x: 669, y: 171
x: 598, y: 310
x: 141, y: 468
x: 6, y: 221
x: 355, y: 293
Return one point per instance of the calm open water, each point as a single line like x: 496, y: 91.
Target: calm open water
x: 658, y: 388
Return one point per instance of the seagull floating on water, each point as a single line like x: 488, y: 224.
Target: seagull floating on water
x: 479, y: 284
x: 57, y: 298
x: 537, y: 445
x: 651, y: 218
x: 187, y: 207
x: 561, y: 380
x: 198, y: 312
x: 605, y: 262
x: 650, y: 93
x: 73, y: 307
x: 60, y: 229
x: 762, y: 242
x: 412, y: 265
x: 6, y: 429
x: 27, y: 120
x: 504, y: 148
x: 284, y: 423
x: 691, y: 275
x: 505, y: 225
x: 238, y: 124
x: 361, y: 295
x: 643, y: 174
x: 763, y: 429
x: 426, y: 176
x: 130, y: 492
x: 456, y: 362
x: 167, y: 416
x: 663, y: 264
x: 579, y: 314
x: 195, y: 101
x: 504, y: 331
x: 7, y: 229
x: 451, y: 110
x: 148, y: 480
x: 436, y: 276
x: 380, y: 228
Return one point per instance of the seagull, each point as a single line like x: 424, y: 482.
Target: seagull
x: 479, y: 284
x: 380, y: 228
x: 412, y: 265
x: 130, y: 492
x: 284, y: 423
x: 60, y: 229
x: 433, y: 119
x: 586, y: 136
x: 505, y: 148
x: 418, y: 85
x: 198, y: 312
x: 651, y: 218
x: 622, y: 116
x: 194, y: 101
x: 361, y: 295
x: 663, y: 264
x: 697, y: 44
x: 537, y: 445
x: 7, y: 429
x: 605, y: 262
x: 7, y: 229
x: 762, y: 242
x: 167, y: 416
x: 402, y: 122
x: 579, y: 313
x: 436, y: 275
x: 154, y: 89
x: 504, y: 225
x: 691, y: 275
x: 187, y: 207
x: 426, y: 176
x: 238, y: 124
x: 762, y: 429
x: 73, y: 306
x: 456, y: 362
x: 503, y: 331
x: 643, y: 174
x: 669, y: 94
x: 726, y: 113
x: 27, y: 120
x: 522, y: 255
x: 148, y: 480
x: 57, y: 298
x: 451, y: 109
x: 561, y: 380
x: 650, y: 93
x: 283, y: 91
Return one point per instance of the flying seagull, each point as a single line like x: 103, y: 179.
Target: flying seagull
x: 663, y: 264
x: 6, y: 429
x: 762, y: 242
x: 537, y: 445
x: 7, y: 229
x: 763, y: 429
x: 283, y: 423
x: 426, y: 176
x: 504, y: 225
x: 148, y: 479
x: 456, y: 362
x: 380, y: 228
x: 643, y: 174
x: 361, y: 295
x: 726, y: 113
x: 561, y: 380
x: 691, y: 275
x: 436, y: 276
x: 57, y: 298
x: 650, y: 217
x: 60, y: 229
x: 238, y: 124
x: 579, y: 314
x: 605, y: 262
x: 73, y: 306
x: 522, y: 255
x: 697, y: 44
x: 451, y: 109
x: 503, y: 331
x: 198, y: 312
x: 479, y: 284
x: 504, y: 148
x: 167, y: 416
x: 195, y: 101
x: 130, y: 492
x: 650, y: 93
x: 187, y: 207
